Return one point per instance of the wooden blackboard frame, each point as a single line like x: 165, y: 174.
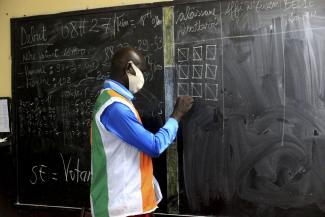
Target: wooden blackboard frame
x: 88, y: 11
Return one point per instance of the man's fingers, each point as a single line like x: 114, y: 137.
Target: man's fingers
x: 182, y: 106
x: 188, y: 99
x: 187, y: 102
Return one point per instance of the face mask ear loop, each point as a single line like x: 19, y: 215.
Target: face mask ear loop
x: 135, y: 68
x: 132, y: 65
x: 136, y: 81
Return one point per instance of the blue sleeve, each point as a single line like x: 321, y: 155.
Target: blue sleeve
x: 121, y: 121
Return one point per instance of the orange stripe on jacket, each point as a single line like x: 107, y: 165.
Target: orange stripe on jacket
x: 147, y: 189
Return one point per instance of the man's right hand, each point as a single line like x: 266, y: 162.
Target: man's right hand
x: 182, y: 106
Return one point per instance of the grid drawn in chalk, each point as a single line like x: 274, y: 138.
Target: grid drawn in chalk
x: 183, y: 71
x: 211, y: 52
x: 196, y: 89
x: 197, y: 53
x: 182, y: 54
x: 183, y: 89
x: 211, y: 92
x: 211, y: 71
x: 197, y: 71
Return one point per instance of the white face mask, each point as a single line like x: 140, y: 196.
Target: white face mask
x: 136, y: 81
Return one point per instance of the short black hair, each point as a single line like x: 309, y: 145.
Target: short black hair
x: 120, y: 60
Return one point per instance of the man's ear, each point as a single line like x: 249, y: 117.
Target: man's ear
x: 129, y: 68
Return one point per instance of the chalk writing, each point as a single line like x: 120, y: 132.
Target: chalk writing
x: 32, y: 35
x: 28, y: 71
x: 192, y: 13
x: 198, y: 26
x: 29, y: 56
x: 109, y: 26
x: 70, y: 173
x: 235, y: 9
x: 148, y: 17
x: 73, y: 29
x: 74, y: 51
x: 74, y: 174
x: 48, y: 54
x: 41, y: 175
x: 298, y: 4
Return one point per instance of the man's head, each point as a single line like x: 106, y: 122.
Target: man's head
x: 127, y: 66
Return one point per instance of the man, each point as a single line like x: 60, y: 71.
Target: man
x: 122, y: 182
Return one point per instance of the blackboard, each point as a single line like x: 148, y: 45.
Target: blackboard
x: 59, y: 65
x: 253, y: 145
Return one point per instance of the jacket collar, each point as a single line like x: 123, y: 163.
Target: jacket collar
x: 119, y: 88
